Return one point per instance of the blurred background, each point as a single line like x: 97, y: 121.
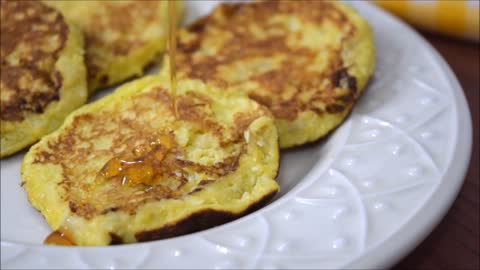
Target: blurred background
x: 456, y: 18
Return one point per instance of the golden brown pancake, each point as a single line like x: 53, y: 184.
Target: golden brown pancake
x: 307, y: 61
x: 125, y: 169
x: 42, y: 72
x: 122, y: 37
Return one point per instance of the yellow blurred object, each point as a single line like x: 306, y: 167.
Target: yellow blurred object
x: 459, y: 18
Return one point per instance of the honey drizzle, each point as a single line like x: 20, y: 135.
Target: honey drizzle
x: 172, y: 23
x: 58, y: 238
x: 141, y: 165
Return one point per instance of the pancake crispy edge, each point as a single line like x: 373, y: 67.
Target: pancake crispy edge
x: 222, y: 164
x: 122, y: 37
x: 307, y: 61
x: 43, y: 74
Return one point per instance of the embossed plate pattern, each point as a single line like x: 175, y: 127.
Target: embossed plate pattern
x: 360, y: 199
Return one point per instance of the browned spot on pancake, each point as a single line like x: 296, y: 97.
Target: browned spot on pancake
x: 32, y: 36
x: 115, y: 239
x: 287, y: 89
x: 201, y: 185
x: 197, y: 26
x: 104, y: 80
x: 120, y: 133
x: 341, y: 78
x: 335, y: 108
x: 108, y: 210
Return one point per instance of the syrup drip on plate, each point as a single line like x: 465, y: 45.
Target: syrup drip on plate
x: 58, y: 238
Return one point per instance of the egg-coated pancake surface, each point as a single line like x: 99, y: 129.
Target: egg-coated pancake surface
x: 307, y: 61
x: 126, y: 169
x: 43, y: 75
x: 122, y: 37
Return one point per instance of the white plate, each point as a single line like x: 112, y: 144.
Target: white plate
x: 362, y: 198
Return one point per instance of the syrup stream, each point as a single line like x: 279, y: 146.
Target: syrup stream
x: 172, y: 23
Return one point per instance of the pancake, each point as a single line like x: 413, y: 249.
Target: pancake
x: 122, y: 37
x: 124, y: 169
x: 43, y: 75
x: 307, y: 61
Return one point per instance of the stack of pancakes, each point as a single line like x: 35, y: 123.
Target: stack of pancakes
x: 252, y: 77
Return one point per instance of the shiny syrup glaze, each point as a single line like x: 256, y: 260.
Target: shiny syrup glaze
x: 139, y: 165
